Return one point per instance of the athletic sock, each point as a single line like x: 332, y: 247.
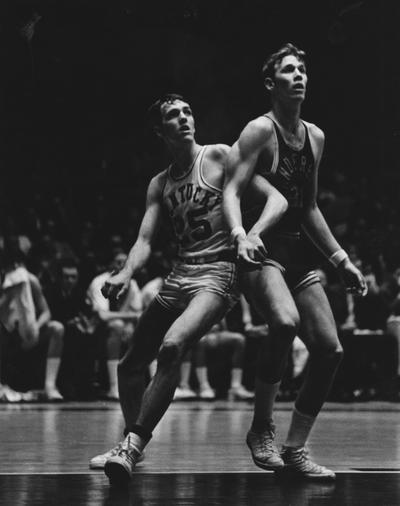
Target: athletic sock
x: 138, y: 437
x: 300, y: 428
x: 202, y: 376
x: 236, y: 378
x: 52, y: 366
x: 185, y: 374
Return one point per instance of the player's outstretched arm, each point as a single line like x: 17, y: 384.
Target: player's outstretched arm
x: 140, y: 252
x: 317, y: 229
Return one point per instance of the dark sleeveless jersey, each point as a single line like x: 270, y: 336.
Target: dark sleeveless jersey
x: 291, y: 170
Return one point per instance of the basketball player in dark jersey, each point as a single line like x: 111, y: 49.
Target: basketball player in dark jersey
x: 279, y: 280
x: 198, y: 291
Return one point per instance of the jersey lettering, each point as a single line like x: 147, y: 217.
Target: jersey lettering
x: 194, y: 207
x: 200, y: 196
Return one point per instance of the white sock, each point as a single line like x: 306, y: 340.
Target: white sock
x: 236, y: 378
x: 52, y: 366
x: 185, y: 374
x: 300, y: 428
x: 138, y: 442
x: 112, y: 366
x: 202, y: 376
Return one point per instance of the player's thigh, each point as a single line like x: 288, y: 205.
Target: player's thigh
x: 203, y: 311
x: 149, y: 333
x: 268, y: 293
x: 318, y: 327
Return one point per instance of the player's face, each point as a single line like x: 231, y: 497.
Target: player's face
x: 290, y: 78
x: 177, y: 122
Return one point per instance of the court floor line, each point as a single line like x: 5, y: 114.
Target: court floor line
x: 100, y: 473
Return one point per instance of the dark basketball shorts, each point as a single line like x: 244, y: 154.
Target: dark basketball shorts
x: 186, y: 281
x: 288, y: 253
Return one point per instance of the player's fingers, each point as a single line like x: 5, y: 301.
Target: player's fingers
x: 248, y: 260
x: 120, y: 292
x: 363, y: 286
x: 263, y: 251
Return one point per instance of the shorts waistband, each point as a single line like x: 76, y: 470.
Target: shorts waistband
x: 221, y: 256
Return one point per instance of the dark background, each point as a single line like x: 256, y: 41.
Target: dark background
x: 77, y: 83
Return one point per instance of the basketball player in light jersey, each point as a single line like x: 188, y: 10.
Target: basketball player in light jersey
x: 200, y: 288
x: 286, y: 291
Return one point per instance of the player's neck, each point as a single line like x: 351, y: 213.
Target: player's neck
x: 185, y: 157
x: 287, y: 115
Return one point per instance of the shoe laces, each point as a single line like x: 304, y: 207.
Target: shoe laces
x: 114, y: 451
x: 264, y: 441
x: 300, y: 459
x: 128, y: 450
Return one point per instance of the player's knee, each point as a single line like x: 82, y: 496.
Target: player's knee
x: 286, y: 327
x: 115, y: 326
x: 332, y: 353
x: 238, y: 339
x: 55, y: 329
x: 170, y: 354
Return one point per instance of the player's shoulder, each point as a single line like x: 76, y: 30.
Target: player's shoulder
x: 158, y: 181
x: 315, y: 131
x: 34, y: 281
x: 218, y: 152
x: 261, y: 128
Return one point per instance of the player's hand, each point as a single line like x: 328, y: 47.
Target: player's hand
x: 116, y: 285
x: 256, y: 331
x: 251, y: 250
x: 352, y: 278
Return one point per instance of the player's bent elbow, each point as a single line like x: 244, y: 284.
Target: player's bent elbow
x: 283, y: 203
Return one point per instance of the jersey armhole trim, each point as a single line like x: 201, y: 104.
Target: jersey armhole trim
x: 275, y: 141
x: 201, y: 174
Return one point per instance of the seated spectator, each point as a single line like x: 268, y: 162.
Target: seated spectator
x: 219, y: 337
x: 26, y: 318
x: 369, y: 357
x: 68, y: 304
x: 371, y: 312
x: 391, y: 291
x: 117, y: 318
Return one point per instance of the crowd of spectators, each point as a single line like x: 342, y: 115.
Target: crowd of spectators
x: 62, y: 246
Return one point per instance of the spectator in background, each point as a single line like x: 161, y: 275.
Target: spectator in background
x: 25, y: 315
x: 372, y: 311
x: 221, y: 337
x: 69, y: 305
x: 391, y: 292
x: 117, y: 318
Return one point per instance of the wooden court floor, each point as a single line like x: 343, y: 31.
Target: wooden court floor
x: 198, y: 456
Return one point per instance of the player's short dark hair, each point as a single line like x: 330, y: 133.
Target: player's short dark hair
x: 269, y: 65
x: 154, y: 111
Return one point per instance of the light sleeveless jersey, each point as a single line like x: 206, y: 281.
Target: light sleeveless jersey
x: 195, y: 209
